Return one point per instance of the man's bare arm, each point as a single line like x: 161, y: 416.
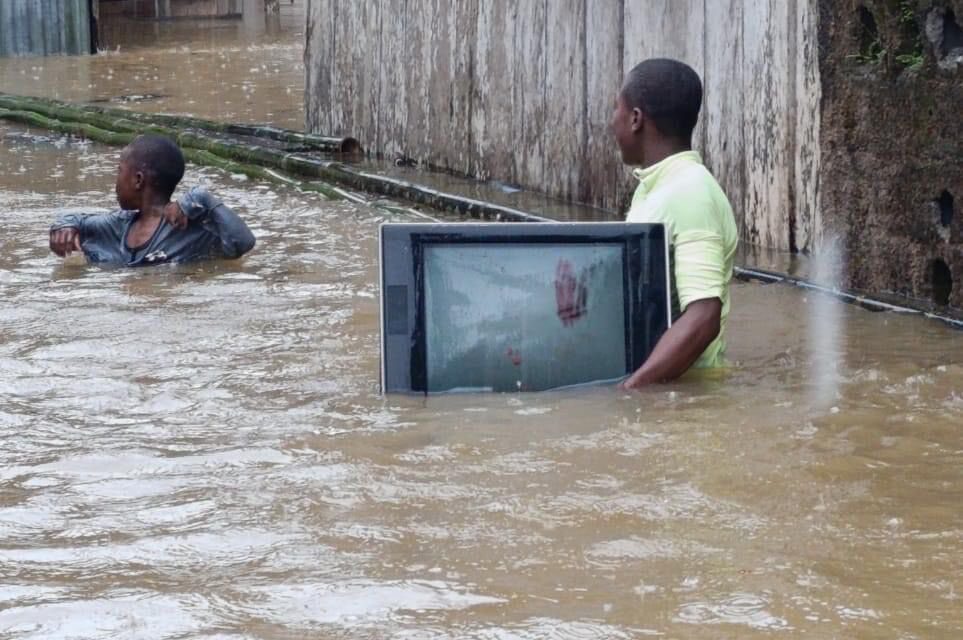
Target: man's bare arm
x: 681, y: 345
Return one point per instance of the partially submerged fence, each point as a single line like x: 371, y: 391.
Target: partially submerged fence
x: 44, y: 27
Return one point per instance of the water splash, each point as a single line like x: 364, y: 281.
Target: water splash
x: 825, y: 325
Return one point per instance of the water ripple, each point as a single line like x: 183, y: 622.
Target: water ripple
x: 739, y: 609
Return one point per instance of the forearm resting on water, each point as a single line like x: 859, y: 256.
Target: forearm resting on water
x: 67, y: 233
x: 681, y: 345
x: 65, y: 240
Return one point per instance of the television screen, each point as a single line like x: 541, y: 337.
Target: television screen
x: 519, y: 306
x: 507, y: 317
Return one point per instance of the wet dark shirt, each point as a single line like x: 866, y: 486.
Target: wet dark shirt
x: 213, y: 231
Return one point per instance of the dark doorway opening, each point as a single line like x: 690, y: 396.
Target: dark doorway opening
x: 945, y: 203
x: 94, y: 27
x: 942, y: 281
x: 870, y: 47
x: 952, y: 34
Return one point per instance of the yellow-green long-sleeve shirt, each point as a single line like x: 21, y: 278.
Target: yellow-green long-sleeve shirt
x: 681, y: 193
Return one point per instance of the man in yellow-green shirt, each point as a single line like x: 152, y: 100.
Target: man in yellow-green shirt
x: 655, y: 114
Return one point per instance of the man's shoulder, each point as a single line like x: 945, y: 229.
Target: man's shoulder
x: 692, y: 182
x: 693, y: 197
x: 112, y: 215
x: 90, y: 218
x: 117, y: 218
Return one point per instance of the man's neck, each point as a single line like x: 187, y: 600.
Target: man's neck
x: 147, y: 220
x: 151, y: 209
x: 659, y: 151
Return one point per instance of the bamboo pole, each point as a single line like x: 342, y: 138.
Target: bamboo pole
x: 308, y: 141
x: 421, y: 194
x: 235, y: 151
x: 73, y: 128
x: 196, y: 156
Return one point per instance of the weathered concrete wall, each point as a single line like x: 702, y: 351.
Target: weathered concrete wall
x: 521, y: 91
x: 44, y: 27
x: 892, y: 143
x: 821, y: 117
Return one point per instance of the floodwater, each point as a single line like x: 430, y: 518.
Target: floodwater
x: 237, y: 71
x: 201, y: 451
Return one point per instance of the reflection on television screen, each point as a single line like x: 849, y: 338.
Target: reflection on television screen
x: 521, y: 316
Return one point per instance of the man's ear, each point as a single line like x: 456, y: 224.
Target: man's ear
x: 139, y: 180
x: 637, y: 119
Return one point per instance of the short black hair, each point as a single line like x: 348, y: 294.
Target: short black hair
x: 669, y: 92
x: 160, y: 159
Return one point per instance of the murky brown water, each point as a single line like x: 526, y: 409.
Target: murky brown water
x: 201, y: 452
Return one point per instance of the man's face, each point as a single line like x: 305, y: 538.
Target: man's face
x: 624, y: 126
x: 128, y: 183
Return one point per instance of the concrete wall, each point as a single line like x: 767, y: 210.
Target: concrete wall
x: 521, y: 91
x: 44, y: 27
x: 822, y: 118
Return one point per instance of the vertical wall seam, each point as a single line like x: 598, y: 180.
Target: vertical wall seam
x: 381, y: 59
x: 817, y: 224
x: 542, y: 164
x: 792, y: 141
x: 332, y: 63
x: 617, y: 182
x: 705, y: 78
x: 704, y: 62
x: 744, y: 232
x: 306, y: 61
x: 516, y: 101
x: 472, y: 53
x: 583, y: 186
x: 406, y: 147
x: 621, y: 41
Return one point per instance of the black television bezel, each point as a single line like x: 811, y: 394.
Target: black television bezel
x: 401, y: 247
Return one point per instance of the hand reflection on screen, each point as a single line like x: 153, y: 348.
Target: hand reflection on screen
x: 571, y: 294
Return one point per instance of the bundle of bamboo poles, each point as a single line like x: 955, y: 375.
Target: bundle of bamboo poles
x: 223, y: 145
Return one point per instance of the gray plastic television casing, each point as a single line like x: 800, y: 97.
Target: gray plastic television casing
x: 645, y: 262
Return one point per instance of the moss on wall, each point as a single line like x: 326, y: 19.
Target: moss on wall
x: 892, y: 153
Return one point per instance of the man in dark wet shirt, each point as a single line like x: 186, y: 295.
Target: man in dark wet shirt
x: 149, y: 228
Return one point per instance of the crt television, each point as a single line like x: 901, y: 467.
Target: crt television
x: 519, y: 306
